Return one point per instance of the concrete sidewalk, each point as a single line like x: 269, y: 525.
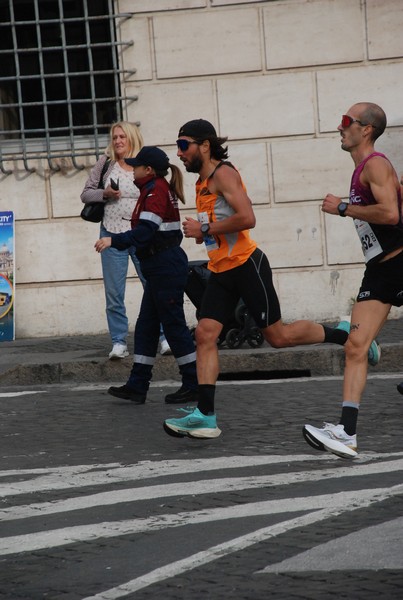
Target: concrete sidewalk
x: 85, y: 359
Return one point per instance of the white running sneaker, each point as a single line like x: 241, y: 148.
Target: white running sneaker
x: 164, y: 348
x: 331, y: 438
x: 118, y: 351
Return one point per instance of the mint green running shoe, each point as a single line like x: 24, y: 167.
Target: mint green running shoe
x: 194, y: 425
x: 344, y: 326
x: 374, y: 352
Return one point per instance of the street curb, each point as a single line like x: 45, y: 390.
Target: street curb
x: 260, y: 363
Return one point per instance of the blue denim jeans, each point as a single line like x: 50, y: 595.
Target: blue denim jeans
x: 114, y: 269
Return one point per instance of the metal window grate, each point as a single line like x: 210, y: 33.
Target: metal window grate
x: 59, y: 78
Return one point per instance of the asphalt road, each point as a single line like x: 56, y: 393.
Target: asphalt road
x: 98, y: 502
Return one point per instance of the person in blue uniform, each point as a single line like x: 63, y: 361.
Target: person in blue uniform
x: 156, y: 233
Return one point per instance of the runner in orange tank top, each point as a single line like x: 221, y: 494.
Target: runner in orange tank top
x: 229, y: 250
x: 239, y: 269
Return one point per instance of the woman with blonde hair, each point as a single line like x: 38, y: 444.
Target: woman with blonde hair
x: 120, y: 197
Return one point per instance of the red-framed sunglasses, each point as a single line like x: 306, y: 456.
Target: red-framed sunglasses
x: 347, y: 121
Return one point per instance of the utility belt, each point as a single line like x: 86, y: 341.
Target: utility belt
x: 156, y: 248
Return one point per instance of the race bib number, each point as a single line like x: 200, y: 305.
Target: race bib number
x: 369, y: 242
x: 209, y: 240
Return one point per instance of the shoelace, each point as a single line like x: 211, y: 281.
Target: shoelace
x: 331, y: 427
x: 328, y: 425
x: 187, y: 409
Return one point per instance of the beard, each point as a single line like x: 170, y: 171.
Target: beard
x: 194, y: 166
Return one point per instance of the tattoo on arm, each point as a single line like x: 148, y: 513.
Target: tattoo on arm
x: 354, y: 327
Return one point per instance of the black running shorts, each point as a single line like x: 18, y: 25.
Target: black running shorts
x: 253, y: 282
x: 383, y: 282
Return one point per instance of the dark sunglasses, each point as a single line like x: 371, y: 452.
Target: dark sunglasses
x: 347, y: 121
x: 183, y: 145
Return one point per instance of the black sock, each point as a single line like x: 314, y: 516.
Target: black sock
x: 206, y: 398
x: 335, y: 336
x: 349, y: 416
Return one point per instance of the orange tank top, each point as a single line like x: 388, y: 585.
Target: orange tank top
x: 225, y: 250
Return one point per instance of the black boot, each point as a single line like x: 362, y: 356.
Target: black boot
x: 127, y: 393
x: 182, y: 396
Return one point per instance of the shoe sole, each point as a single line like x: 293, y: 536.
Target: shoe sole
x: 116, y: 357
x: 341, y: 450
x: 316, y: 444
x: 127, y: 398
x: 329, y: 445
x: 172, y: 432
x: 200, y: 434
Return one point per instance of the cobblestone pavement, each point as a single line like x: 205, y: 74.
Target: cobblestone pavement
x: 98, y: 502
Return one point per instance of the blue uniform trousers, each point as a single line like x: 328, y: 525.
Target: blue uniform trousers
x: 166, y: 275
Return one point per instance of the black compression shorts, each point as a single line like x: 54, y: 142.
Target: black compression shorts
x: 253, y: 282
x: 383, y: 281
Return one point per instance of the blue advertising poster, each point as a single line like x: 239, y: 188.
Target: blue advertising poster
x: 7, y: 330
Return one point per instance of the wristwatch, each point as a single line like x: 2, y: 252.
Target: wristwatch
x: 205, y: 228
x: 343, y: 206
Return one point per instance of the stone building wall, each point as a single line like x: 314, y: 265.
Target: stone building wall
x: 274, y: 76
